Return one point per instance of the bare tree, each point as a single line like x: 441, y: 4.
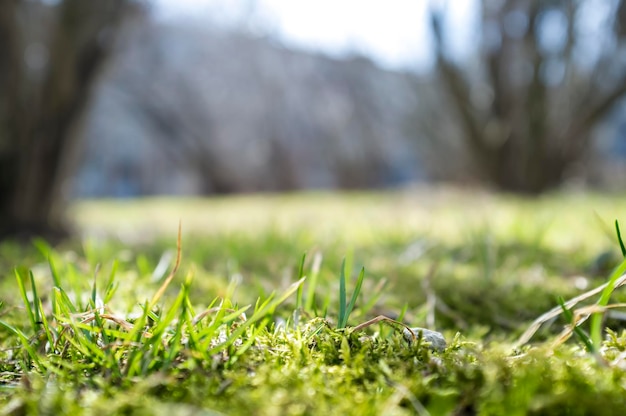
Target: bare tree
x: 526, y: 107
x: 50, y: 56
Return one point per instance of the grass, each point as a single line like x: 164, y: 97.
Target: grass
x: 255, y: 309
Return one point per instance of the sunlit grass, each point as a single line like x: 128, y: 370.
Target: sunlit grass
x: 273, y: 305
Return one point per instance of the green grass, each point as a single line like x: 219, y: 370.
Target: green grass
x: 256, y: 309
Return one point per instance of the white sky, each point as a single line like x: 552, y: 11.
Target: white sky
x: 395, y: 33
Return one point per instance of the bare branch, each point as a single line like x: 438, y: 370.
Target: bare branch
x: 459, y: 91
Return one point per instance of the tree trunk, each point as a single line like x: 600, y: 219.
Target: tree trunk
x: 531, y: 133
x: 41, y: 105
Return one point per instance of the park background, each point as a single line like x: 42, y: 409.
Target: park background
x: 137, y: 98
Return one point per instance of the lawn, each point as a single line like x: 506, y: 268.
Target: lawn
x: 266, y: 305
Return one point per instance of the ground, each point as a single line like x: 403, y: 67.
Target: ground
x: 236, y: 330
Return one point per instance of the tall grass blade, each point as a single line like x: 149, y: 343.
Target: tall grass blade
x: 94, y: 292
x: 53, y: 271
x: 300, y: 275
x: 44, y: 248
x: 63, y: 297
x: 35, y: 299
x: 290, y: 290
x: 172, y: 312
x: 137, y: 333
x: 27, y: 305
x: 378, y: 293
x: 174, y: 346
x: 619, y: 239
x: 44, y: 323
x: 103, y: 330
x: 342, y: 296
x: 355, y: 295
x: 403, y: 311
x: 605, y: 296
x: 111, y: 285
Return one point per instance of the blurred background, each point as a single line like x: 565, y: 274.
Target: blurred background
x: 127, y: 98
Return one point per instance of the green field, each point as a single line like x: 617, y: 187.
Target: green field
x: 103, y: 330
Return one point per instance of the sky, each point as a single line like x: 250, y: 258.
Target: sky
x: 395, y: 33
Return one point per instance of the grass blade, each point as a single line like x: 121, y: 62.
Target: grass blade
x: 235, y: 315
x: 94, y: 288
x: 619, y: 239
x: 63, y: 297
x: 596, y: 318
x: 355, y: 294
x: 290, y: 290
x: 53, y: 272
x: 379, y: 290
x: 44, y: 248
x: 569, y: 317
x: 35, y: 300
x: 44, y: 323
x: 27, y: 305
x: 300, y: 275
x: 263, y: 312
x: 342, y: 296
x: 25, y: 343
x: 111, y: 285
x: 102, y: 328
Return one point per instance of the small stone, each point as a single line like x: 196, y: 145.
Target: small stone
x: 436, y: 339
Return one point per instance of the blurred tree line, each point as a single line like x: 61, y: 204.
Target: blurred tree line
x: 519, y: 114
x: 235, y: 113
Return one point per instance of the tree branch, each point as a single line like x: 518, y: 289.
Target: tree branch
x: 459, y: 92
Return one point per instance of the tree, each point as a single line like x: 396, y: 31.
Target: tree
x: 230, y: 112
x: 544, y: 77
x: 50, y: 59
